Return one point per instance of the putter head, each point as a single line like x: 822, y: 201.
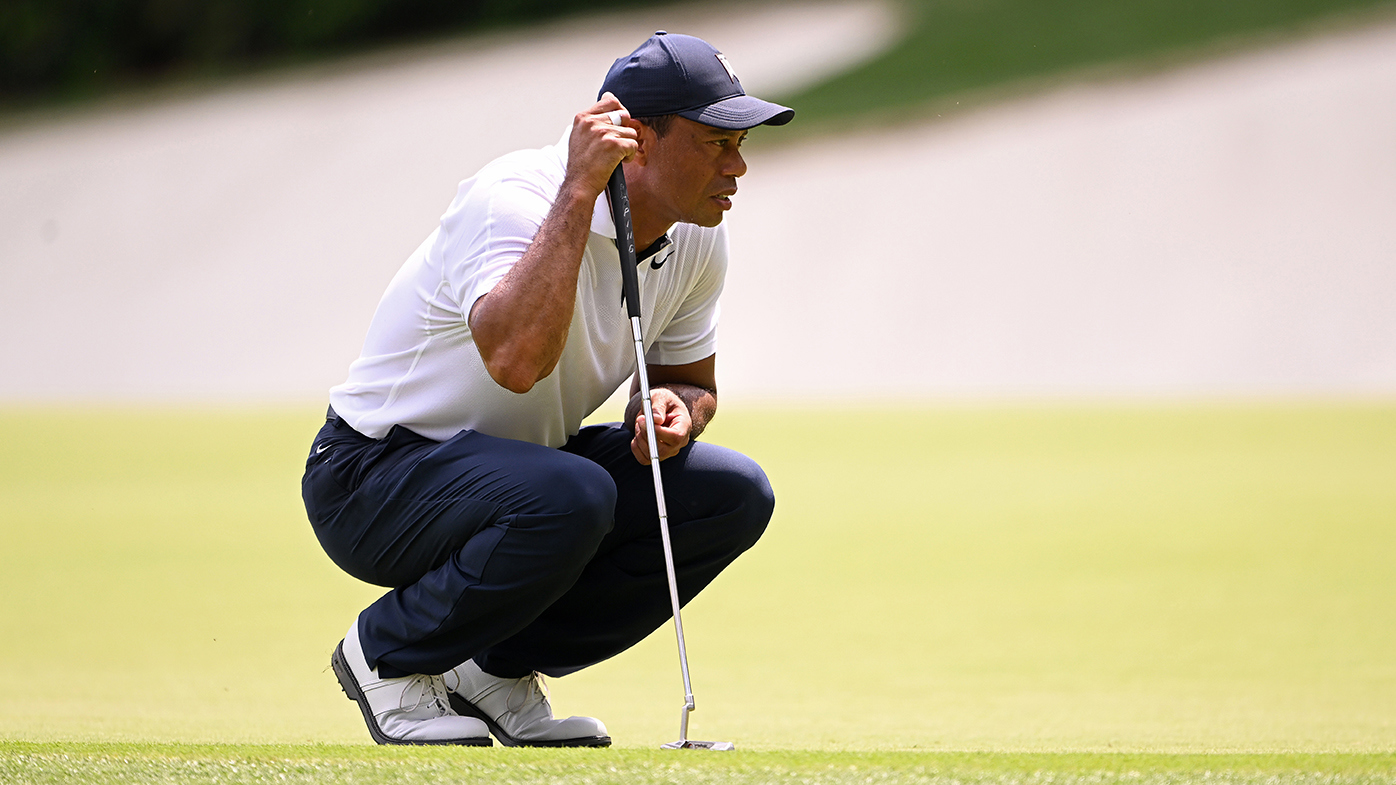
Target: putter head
x: 690, y: 744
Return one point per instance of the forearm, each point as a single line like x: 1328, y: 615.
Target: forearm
x: 521, y: 325
x: 701, y: 403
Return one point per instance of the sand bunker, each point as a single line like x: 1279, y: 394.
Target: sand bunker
x: 1225, y: 228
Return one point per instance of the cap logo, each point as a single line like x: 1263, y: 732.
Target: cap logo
x: 730, y: 73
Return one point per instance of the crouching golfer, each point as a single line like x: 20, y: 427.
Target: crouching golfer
x: 453, y: 467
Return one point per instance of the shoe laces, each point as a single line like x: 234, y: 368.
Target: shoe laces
x: 535, y: 689
x: 425, y: 690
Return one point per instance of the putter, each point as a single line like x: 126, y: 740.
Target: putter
x: 630, y: 288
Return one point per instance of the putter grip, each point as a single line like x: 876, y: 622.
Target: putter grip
x: 625, y: 241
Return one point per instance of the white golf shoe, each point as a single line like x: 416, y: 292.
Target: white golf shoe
x: 517, y: 710
x: 409, y: 710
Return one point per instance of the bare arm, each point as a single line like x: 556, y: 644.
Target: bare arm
x: 684, y: 401
x: 520, y: 327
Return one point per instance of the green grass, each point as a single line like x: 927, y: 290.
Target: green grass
x: 1073, y: 591
x: 953, y: 48
x: 87, y: 763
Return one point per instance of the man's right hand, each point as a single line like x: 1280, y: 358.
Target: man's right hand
x: 597, y: 146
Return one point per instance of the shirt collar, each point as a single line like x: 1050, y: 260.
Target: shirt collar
x: 654, y: 249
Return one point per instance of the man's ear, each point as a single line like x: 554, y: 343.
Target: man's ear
x: 646, y: 140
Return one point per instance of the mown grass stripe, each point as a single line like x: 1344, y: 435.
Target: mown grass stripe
x: 113, y: 763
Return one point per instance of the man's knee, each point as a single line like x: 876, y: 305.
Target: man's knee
x: 584, y: 495
x: 757, y: 502
x: 740, y: 487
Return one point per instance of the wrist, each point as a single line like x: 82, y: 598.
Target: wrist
x: 576, y: 193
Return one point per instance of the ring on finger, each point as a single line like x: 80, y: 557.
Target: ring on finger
x: 613, y: 117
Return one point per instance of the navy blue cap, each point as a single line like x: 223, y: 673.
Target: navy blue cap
x: 686, y: 76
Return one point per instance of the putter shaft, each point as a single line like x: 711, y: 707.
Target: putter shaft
x: 625, y: 244
x: 645, y: 402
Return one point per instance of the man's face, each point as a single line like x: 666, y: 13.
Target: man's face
x: 692, y: 172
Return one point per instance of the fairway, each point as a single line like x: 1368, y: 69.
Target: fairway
x: 956, y: 49
x: 1006, y: 579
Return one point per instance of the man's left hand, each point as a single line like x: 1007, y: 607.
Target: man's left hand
x: 672, y: 426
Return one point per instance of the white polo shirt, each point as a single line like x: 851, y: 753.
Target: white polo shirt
x: 419, y: 367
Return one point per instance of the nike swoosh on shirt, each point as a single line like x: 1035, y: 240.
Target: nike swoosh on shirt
x: 656, y: 265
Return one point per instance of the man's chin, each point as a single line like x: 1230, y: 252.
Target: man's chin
x: 708, y: 221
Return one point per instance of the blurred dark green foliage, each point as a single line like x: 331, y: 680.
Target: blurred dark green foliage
x: 954, y: 46
x: 64, y: 49
x: 74, y: 48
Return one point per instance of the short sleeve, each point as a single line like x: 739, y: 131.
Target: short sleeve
x: 692, y: 334
x: 487, y: 230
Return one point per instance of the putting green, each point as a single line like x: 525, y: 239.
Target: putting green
x: 86, y: 764
x: 1065, y: 578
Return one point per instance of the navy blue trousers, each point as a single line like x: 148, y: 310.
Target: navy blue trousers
x: 520, y: 556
